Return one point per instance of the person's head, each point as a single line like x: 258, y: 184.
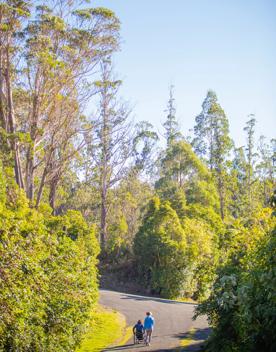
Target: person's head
x: 148, y: 314
x: 139, y: 322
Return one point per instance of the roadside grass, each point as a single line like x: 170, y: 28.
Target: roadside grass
x: 105, y: 328
x: 186, y: 300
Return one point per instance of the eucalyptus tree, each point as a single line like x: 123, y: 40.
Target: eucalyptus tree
x: 237, y: 184
x: 59, y: 49
x: 75, y: 40
x: 144, y: 146
x: 212, y: 143
x: 266, y: 167
x: 185, y: 180
x: 203, y: 142
x: 13, y: 15
x: 251, y: 158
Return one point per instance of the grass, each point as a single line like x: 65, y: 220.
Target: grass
x: 186, y: 300
x: 107, y: 327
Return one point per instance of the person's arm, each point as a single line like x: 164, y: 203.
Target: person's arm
x: 133, y: 329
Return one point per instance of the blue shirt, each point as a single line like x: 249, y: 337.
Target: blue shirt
x: 149, y: 322
x: 139, y: 327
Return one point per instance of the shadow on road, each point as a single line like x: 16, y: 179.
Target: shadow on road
x: 194, y: 348
x: 161, y: 300
x: 198, y: 335
x: 122, y: 348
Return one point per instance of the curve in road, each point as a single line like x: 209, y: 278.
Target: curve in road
x: 173, y: 319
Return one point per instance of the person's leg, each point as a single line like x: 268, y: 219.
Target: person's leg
x: 150, y: 332
x: 147, y: 336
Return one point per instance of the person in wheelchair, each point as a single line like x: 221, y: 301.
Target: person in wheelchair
x: 138, y: 332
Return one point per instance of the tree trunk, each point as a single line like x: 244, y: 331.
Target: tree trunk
x: 41, y: 186
x: 103, y: 232
x: 12, y: 127
x: 30, y: 174
x: 53, y: 192
x: 30, y: 159
x: 3, y: 120
x: 221, y: 196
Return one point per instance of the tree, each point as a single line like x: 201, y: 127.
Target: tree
x: 144, y: 143
x: 266, y: 168
x: 159, y: 247
x: 237, y: 184
x: 185, y: 180
x: 212, y: 141
x: 111, y: 143
x: 180, y: 164
x: 127, y: 205
x: 171, y: 125
x: 59, y: 51
x: 251, y: 159
x: 203, y: 143
x: 12, y: 17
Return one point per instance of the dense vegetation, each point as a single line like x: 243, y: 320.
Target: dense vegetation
x: 189, y: 216
x: 48, y: 276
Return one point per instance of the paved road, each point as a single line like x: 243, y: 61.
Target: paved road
x: 173, y: 319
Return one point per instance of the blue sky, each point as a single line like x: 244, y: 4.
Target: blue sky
x: 228, y: 46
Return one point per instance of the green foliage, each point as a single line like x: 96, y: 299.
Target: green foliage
x: 180, y: 161
x: 175, y: 258
x: 48, y: 280
x: 242, y: 306
x: 171, y: 126
x: 160, y: 246
x: 202, y: 253
x: 170, y: 191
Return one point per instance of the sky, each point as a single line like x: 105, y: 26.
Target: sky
x: 228, y: 46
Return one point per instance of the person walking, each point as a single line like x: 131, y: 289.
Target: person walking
x: 148, y: 326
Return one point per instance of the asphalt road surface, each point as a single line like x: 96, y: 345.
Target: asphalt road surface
x: 172, y: 319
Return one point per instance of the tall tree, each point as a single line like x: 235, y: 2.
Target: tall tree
x: 12, y: 17
x: 212, y: 141
x: 144, y: 144
x: 237, y: 184
x: 266, y: 167
x: 61, y: 56
x: 251, y: 158
x: 171, y: 125
x: 59, y: 50
x: 110, y: 144
x: 203, y: 142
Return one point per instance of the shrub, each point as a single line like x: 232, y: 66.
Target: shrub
x: 160, y: 246
x: 48, y: 277
x: 242, y: 307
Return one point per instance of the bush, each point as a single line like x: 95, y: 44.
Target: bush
x: 242, y: 307
x: 48, y: 277
x: 160, y: 246
x: 175, y: 258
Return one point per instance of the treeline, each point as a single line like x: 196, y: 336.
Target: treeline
x: 191, y: 219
